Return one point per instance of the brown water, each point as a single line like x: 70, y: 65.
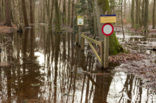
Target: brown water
x: 48, y: 67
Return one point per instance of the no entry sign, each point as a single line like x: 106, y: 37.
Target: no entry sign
x: 107, y: 29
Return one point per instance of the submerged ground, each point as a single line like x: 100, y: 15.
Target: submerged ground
x: 47, y: 67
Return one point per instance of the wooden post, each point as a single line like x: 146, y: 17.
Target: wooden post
x: 82, y: 43
x: 105, y: 44
x: 80, y: 22
x: 78, y: 36
x: 106, y: 52
x: 102, y: 53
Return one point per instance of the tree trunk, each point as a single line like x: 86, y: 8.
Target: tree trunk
x: 57, y: 16
x: 8, y: 12
x: 143, y: 12
x: 132, y: 13
x: 102, y: 89
x: 24, y: 13
x: 31, y: 12
x: 125, y: 8
x: 73, y: 10
x: 122, y: 21
x: 146, y: 15
x: 137, y: 12
x: 138, y: 22
x: 153, y: 22
x: 64, y: 12
x: 69, y: 12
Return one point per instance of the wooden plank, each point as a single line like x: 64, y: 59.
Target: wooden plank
x: 94, y: 51
x: 91, y: 40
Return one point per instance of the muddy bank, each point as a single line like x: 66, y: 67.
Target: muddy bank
x: 124, y: 58
x: 144, y: 68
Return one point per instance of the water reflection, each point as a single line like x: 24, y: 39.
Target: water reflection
x: 51, y: 69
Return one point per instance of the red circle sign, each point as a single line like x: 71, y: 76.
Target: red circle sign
x: 107, y: 29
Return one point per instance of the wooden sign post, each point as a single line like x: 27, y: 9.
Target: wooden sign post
x: 108, y: 18
x: 80, y: 23
x: 107, y: 30
x: 80, y: 20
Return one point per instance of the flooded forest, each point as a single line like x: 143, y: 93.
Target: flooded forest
x: 77, y: 51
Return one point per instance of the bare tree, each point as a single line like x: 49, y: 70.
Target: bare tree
x: 154, y: 4
x: 8, y: 12
x: 24, y: 12
x: 146, y: 15
x: 132, y: 13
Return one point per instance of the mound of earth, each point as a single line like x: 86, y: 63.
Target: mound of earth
x: 123, y: 58
x: 6, y: 29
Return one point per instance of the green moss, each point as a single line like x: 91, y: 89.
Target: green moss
x: 114, y: 46
x: 104, y: 4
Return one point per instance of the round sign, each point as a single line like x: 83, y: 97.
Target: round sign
x: 107, y: 29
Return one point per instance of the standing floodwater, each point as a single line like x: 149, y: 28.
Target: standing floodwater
x: 49, y: 68
x: 77, y: 51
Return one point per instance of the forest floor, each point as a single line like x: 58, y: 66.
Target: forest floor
x: 141, y: 61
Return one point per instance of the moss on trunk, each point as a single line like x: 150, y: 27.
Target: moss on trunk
x: 104, y: 5
x: 114, y: 45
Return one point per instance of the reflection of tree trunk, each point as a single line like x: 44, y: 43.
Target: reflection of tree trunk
x: 74, y: 86
x: 32, y: 27
x: 57, y: 50
x: 87, y: 91
x: 30, y: 74
x: 24, y: 49
x: 130, y: 90
x: 102, y: 89
x: 140, y: 91
x: 9, y: 85
x: 127, y: 88
x: 64, y: 47
x: 8, y: 70
x: 83, y: 88
x: 55, y: 84
x: 70, y: 85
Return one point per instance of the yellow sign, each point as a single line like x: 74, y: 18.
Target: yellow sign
x: 80, y: 20
x: 108, y: 19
